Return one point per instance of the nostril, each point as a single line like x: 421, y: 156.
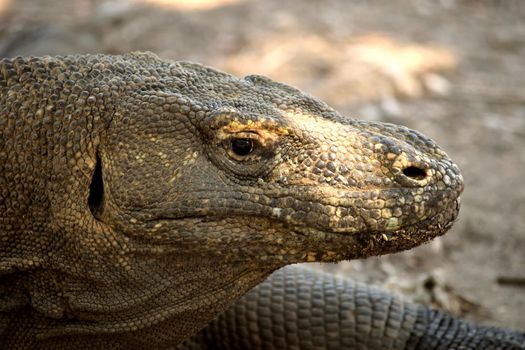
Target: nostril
x: 415, y: 173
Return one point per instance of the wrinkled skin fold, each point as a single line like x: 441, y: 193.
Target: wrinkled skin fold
x: 141, y: 197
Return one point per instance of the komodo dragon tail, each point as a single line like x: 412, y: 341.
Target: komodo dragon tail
x: 299, y: 308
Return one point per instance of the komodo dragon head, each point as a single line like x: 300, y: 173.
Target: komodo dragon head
x: 150, y: 194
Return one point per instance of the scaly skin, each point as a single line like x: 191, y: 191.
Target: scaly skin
x: 140, y: 197
x: 302, y: 309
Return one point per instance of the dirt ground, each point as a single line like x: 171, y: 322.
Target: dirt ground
x: 453, y: 69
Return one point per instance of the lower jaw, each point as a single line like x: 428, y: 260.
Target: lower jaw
x: 327, y: 246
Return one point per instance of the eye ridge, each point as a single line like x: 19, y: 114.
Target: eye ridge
x: 242, y: 146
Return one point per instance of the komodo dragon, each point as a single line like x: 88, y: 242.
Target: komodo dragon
x: 141, y: 197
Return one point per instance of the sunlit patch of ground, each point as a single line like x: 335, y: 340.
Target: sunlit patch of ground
x: 192, y: 4
x: 368, y: 67
x: 4, y: 5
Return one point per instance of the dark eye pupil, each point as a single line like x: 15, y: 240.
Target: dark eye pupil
x: 242, y: 147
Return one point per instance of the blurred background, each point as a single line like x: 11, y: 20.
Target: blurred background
x: 452, y: 69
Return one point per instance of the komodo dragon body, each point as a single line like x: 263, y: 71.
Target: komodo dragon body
x: 141, y: 197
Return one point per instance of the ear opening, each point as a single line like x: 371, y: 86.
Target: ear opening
x: 96, y: 190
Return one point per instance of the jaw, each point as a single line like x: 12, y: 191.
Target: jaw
x: 381, y: 243
x: 302, y: 226
x: 287, y: 243
x: 329, y: 246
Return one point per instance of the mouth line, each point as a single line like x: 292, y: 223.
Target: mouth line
x: 357, y: 243
x: 448, y: 221
x: 328, y: 192
x: 323, y: 195
x: 406, y: 228
x: 305, y: 230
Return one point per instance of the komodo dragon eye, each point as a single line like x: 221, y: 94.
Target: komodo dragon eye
x: 246, y: 146
x: 242, y: 146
